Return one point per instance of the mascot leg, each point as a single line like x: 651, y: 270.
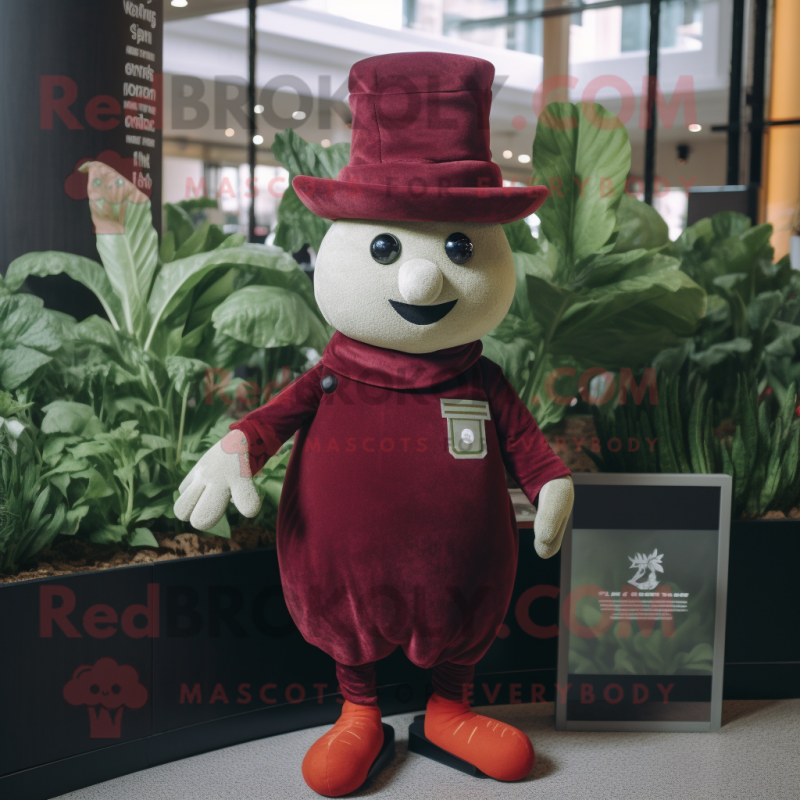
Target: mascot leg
x: 496, y: 749
x: 338, y: 762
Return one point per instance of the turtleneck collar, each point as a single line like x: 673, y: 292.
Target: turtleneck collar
x: 392, y: 369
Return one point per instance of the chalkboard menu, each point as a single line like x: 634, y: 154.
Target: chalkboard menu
x: 81, y: 81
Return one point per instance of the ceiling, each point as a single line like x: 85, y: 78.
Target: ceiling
x: 199, y: 8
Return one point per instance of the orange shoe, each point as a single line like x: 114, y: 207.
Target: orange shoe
x: 338, y: 762
x: 496, y: 749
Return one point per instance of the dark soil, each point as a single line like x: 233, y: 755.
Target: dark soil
x: 793, y: 513
x: 69, y: 556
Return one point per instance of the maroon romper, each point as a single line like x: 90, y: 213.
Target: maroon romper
x: 384, y: 537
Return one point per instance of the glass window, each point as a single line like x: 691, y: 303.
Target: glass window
x: 382, y: 13
x: 229, y: 185
x: 457, y: 12
x: 527, y: 35
x: 595, y: 35
x: 681, y: 26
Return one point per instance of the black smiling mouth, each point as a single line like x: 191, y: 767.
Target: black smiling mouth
x: 422, y: 315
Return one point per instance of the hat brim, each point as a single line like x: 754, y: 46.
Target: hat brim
x: 335, y: 199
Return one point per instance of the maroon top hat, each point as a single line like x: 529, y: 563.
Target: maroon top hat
x: 420, y: 146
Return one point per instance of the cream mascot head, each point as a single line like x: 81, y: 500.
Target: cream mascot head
x: 414, y: 286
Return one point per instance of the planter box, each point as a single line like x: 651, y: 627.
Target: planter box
x: 762, y: 648
x: 218, y: 660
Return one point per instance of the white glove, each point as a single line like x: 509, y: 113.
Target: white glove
x: 552, y: 515
x: 222, y: 474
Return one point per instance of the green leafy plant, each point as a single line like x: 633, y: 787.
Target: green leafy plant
x: 753, y: 321
x: 31, y: 336
x: 32, y: 512
x: 759, y: 448
x: 187, y: 233
x: 674, y: 434
x: 763, y: 456
x: 165, y: 307
x: 106, y: 475
x: 598, y: 287
x: 297, y: 226
x: 143, y: 393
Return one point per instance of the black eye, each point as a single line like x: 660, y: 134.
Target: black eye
x: 385, y: 248
x: 458, y: 248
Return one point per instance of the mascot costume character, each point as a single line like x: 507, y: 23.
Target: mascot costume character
x: 395, y: 527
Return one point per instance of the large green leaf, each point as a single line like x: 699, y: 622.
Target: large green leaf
x: 622, y: 324
x: 520, y: 238
x: 126, y: 240
x: 581, y: 152
x: 130, y: 259
x: 142, y: 537
x: 297, y: 226
x: 184, y: 371
x: 97, y: 330
x: 717, y: 353
x: 595, y: 288
x: 206, y: 238
x: 510, y: 346
x: 762, y: 308
x: 783, y: 343
x: 270, y: 316
x: 724, y: 245
x: 25, y: 321
x: 83, y: 270
x: 30, y: 335
x: 109, y: 534
x: 18, y: 364
x: 64, y: 416
x: 191, y: 319
x: 179, y: 224
x: 178, y: 278
x: 196, y: 243
x: 729, y: 223
x: 606, y: 267
x: 639, y: 225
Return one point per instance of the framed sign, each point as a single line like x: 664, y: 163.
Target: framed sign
x: 643, y: 594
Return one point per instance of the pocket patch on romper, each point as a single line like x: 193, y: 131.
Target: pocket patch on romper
x: 466, y: 427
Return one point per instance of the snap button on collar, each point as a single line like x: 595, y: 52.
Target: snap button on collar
x: 329, y: 384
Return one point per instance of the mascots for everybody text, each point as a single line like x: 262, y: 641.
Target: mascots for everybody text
x: 395, y: 526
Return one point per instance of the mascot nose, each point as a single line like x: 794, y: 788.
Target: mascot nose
x: 420, y: 281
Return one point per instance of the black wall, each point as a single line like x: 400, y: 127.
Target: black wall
x: 85, y: 43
